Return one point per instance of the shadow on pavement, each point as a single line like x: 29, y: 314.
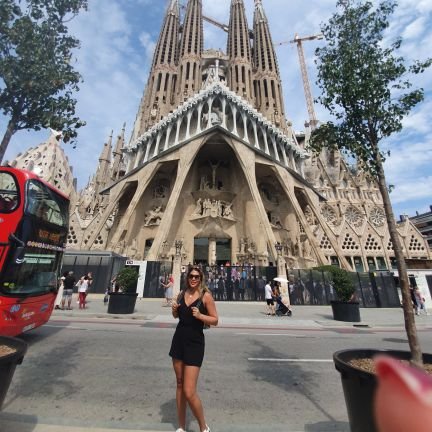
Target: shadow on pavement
x: 168, y: 412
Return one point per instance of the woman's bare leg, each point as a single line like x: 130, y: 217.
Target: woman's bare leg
x: 180, y: 397
x: 190, y: 378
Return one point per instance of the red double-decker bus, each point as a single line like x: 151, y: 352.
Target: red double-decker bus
x: 34, y: 219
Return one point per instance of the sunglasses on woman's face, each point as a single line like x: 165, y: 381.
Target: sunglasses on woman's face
x: 192, y: 276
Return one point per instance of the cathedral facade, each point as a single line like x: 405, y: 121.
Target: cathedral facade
x: 214, y: 166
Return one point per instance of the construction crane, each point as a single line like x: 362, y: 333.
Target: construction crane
x: 224, y: 27
x: 306, y: 84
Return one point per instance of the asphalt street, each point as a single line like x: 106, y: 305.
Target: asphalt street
x: 86, y: 370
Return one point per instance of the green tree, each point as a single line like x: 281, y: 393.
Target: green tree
x: 366, y: 88
x: 37, y: 80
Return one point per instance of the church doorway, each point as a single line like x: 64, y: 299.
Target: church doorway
x: 212, y: 251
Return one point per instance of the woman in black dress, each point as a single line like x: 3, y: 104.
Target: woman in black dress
x: 195, y: 308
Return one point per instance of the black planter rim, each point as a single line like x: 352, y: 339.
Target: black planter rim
x: 19, y: 345
x: 133, y: 294
x: 342, y: 357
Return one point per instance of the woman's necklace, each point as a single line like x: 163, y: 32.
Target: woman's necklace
x: 190, y: 295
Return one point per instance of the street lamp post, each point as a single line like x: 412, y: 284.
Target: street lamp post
x: 177, y: 266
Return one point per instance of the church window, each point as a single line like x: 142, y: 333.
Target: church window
x: 265, y: 89
x: 159, y: 79
x: 372, y: 244
x: 353, y: 216
x: 334, y: 261
x: 377, y: 217
x: 349, y: 243
x: 273, y: 89
x: 381, y: 263
x: 415, y: 245
x: 358, y: 264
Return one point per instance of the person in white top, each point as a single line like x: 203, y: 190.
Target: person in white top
x: 82, y: 284
x: 269, y: 299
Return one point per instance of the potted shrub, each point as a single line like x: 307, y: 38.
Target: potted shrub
x: 345, y: 308
x: 123, y: 302
x: 12, y: 351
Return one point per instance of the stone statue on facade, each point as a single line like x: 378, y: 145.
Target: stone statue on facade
x: 153, y: 217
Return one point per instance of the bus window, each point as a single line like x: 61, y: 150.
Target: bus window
x: 45, y: 205
x: 8, y: 193
x: 36, y: 275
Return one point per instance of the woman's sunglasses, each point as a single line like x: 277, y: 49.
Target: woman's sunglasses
x: 194, y: 276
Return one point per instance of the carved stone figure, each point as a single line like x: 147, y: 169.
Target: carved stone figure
x: 153, y: 217
x: 227, y: 212
x: 199, y: 208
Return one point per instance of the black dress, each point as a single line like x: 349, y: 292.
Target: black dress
x: 188, y: 341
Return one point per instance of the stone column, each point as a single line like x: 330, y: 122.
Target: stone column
x: 281, y: 271
x: 177, y: 268
x: 212, y: 251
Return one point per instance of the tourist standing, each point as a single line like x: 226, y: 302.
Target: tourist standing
x: 194, y: 309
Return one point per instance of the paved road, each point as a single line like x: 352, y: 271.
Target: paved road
x: 89, y: 371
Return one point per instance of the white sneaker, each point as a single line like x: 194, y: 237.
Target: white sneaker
x: 207, y: 429
x: 180, y: 430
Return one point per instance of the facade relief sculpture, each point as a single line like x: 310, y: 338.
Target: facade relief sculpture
x: 213, y: 208
x: 154, y: 217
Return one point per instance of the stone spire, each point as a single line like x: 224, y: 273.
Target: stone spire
x: 118, y: 169
x: 160, y: 94
x: 191, y: 49
x: 103, y: 171
x: 267, y: 83
x: 239, y: 52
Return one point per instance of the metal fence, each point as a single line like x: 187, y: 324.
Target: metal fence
x: 240, y: 283
x: 103, y: 265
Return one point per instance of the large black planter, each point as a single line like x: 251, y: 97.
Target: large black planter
x: 346, y: 311
x: 122, y: 303
x: 9, y: 362
x: 359, y: 386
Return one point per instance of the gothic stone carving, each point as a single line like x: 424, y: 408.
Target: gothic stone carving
x: 153, y: 217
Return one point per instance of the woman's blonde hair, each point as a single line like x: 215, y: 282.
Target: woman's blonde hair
x: 203, y: 286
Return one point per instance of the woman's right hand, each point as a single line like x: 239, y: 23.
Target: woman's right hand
x: 174, y: 308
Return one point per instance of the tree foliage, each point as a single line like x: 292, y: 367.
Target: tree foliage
x: 342, y: 282
x: 37, y: 79
x: 127, y: 278
x: 366, y: 87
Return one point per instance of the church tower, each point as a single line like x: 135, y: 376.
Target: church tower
x: 160, y: 95
x: 239, y: 52
x: 191, y: 49
x: 267, y: 83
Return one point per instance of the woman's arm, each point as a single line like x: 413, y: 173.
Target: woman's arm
x: 212, y: 317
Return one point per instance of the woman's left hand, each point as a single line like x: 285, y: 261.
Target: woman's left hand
x: 196, y: 313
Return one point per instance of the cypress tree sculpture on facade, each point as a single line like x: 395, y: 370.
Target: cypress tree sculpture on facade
x: 365, y: 87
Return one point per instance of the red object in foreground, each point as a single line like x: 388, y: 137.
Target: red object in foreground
x: 34, y: 218
x: 403, y: 400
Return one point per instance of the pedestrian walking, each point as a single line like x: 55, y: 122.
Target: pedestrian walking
x: 268, y: 294
x: 169, y: 287
x: 82, y: 291
x: 195, y: 307
x: 69, y: 284
x: 59, y: 297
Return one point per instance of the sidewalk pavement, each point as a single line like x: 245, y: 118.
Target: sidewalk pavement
x: 247, y: 315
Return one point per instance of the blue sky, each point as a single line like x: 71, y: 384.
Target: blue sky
x: 117, y: 43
